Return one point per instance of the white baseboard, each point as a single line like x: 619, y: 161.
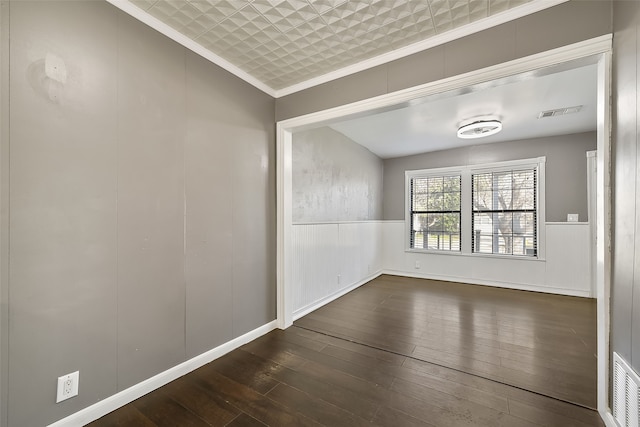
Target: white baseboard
x: 608, y: 419
x: 301, y: 312
x: 522, y: 287
x: 496, y: 284
x: 111, y: 403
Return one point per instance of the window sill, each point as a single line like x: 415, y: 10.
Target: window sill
x: 474, y: 255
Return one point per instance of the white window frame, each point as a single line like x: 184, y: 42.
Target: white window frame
x: 466, y: 209
x: 429, y: 173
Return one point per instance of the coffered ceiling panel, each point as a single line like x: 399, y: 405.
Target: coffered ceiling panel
x: 282, y: 43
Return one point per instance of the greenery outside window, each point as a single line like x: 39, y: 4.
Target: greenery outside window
x: 491, y: 209
x: 435, y: 213
x: 504, y: 212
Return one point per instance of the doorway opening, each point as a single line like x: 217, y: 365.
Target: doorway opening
x: 596, y: 52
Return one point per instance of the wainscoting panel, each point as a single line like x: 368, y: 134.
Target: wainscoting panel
x: 359, y: 253
x: 565, y: 270
x: 568, y: 263
x: 329, y: 259
x: 315, y: 262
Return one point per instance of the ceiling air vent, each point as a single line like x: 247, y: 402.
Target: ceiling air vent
x: 559, y: 112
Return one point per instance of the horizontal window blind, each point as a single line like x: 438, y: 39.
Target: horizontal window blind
x: 435, y: 212
x: 504, y: 207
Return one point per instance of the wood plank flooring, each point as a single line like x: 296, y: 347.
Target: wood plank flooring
x: 539, y: 342
x: 300, y: 377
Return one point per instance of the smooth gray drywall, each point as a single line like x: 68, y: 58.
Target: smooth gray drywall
x: 334, y: 179
x: 141, y: 199
x: 567, y: 23
x: 625, y: 288
x: 62, y: 207
x: 566, y: 170
x: 4, y: 208
x: 150, y: 184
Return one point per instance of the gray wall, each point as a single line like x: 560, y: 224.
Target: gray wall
x: 4, y: 217
x: 565, y: 170
x: 625, y: 289
x: 141, y: 198
x: 560, y: 25
x: 334, y: 179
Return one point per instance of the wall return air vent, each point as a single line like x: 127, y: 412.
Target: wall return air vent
x: 626, y: 393
x: 559, y: 112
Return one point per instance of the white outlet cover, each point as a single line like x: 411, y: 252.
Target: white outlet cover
x: 66, y: 392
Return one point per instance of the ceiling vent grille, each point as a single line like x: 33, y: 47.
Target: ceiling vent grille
x: 626, y: 393
x: 559, y: 112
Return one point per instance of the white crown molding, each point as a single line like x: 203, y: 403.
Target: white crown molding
x: 466, y: 30
x: 457, y: 33
x: 178, y: 37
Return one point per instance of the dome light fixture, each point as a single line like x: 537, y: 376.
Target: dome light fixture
x: 479, y: 128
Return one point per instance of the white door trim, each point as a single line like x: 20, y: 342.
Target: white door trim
x: 603, y: 231
x: 599, y: 47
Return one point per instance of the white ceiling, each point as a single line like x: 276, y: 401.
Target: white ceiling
x: 282, y: 46
x: 431, y: 125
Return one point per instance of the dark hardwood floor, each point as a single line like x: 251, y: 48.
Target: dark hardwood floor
x: 302, y: 377
x: 539, y: 342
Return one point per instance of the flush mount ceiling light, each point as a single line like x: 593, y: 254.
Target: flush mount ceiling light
x: 479, y: 128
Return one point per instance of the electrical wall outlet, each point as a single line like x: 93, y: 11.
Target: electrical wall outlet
x: 68, y: 386
x: 417, y: 265
x: 573, y: 217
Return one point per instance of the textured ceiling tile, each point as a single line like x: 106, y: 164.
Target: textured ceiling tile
x: 245, y: 14
x: 439, y: 7
x: 216, y: 45
x: 403, y: 10
x: 214, y: 33
x: 380, y: 19
x: 460, y: 11
x: 218, y: 10
x: 322, y: 6
x: 334, y: 42
x: 344, y: 11
x: 194, y: 30
x: 283, y: 42
x: 278, y: 41
x: 479, y: 7
x: 497, y: 6
x: 304, y: 32
x: 144, y: 4
x: 416, y: 7
x: 269, y: 33
x: 176, y: 14
x: 251, y: 43
x: 238, y: 26
x: 285, y: 14
x: 460, y: 15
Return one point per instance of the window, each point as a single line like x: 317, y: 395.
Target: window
x: 504, y: 212
x: 435, y: 213
x: 492, y: 209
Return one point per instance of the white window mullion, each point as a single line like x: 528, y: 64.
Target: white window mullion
x: 535, y: 249
x: 465, y: 215
x: 541, y: 220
